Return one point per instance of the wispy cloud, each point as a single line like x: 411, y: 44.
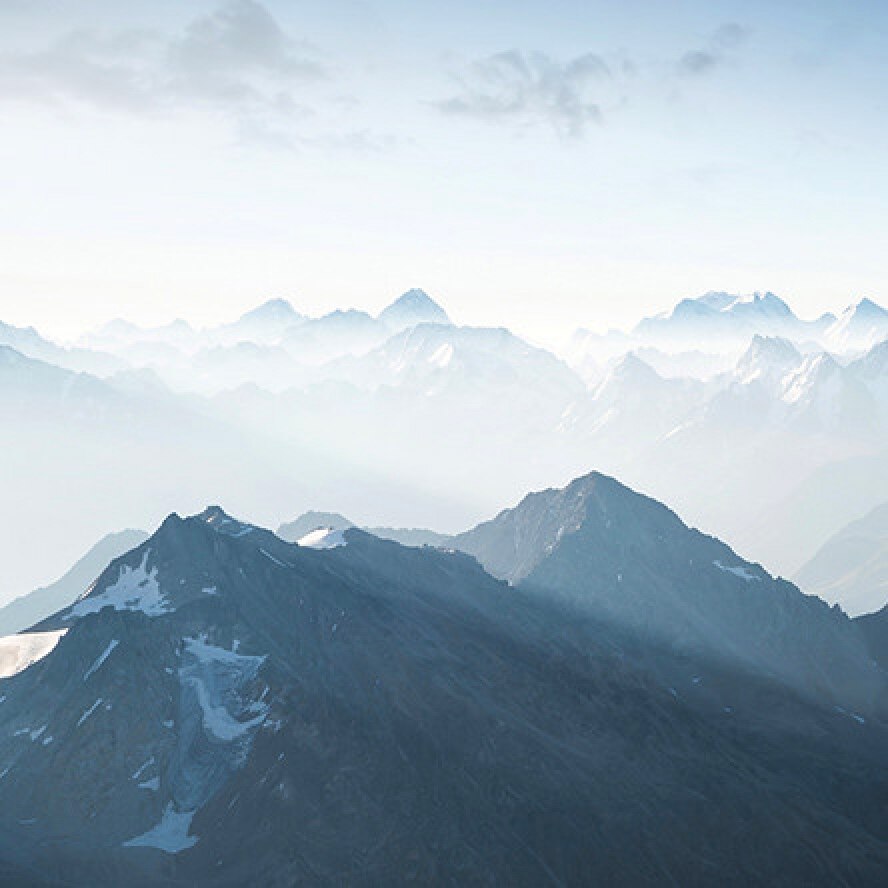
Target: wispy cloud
x: 236, y: 59
x: 527, y: 89
x: 717, y: 50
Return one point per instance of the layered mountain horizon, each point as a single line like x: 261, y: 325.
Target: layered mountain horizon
x: 730, y: 408
x: 443, y: 445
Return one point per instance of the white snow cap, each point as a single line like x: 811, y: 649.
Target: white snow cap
x: 18, y: 652
x: 323, y: 538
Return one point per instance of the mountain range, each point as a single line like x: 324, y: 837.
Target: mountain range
x: 617, y: 698
x: 750, y: 432
x: 724, y: 321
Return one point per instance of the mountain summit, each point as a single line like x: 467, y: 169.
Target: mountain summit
x: 277, y: 311
x: 412, y: 308
x: 630, y: 561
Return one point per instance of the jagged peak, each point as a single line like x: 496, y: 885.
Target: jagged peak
x: 767, y: 303
x: 770, y: 348
x: 213, y: 515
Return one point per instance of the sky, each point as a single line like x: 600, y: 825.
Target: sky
x: 539, y: 165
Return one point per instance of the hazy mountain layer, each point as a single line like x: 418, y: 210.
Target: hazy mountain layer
x: 405, y: 420
x: 851, y: 569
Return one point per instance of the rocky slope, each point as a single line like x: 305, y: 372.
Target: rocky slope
x: 226, y: 708
x: 630, y: 560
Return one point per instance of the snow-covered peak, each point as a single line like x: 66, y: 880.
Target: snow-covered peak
x: 767, y: 356
x: 715, y: 299
x: 724, y: 321
x: 323, y: 538
x: 811, y: 377
x: 859, y: 326
x: 272, y: 311
x: 866, y: 308
x: 265, y: 324
x: 762, y: 304
x: 412, y: 308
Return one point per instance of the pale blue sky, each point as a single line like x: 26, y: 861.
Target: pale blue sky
x: 540, y: 165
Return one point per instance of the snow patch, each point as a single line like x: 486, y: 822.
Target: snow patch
x: 323, y: 538
x: 101, y: 658
x: 18, y: 652
x: 136, y: 589
x: 271, y: 557
x: 142, y: 768
x: 153, y: 784
x: 35, y: 734
x: 89, y: 711
x: 739, y: 571
x: 170, y: 835
x: 215, y: 676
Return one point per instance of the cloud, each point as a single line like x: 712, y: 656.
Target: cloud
x: 528, y: 89
x: 718, y: 49
x: 236, y: 59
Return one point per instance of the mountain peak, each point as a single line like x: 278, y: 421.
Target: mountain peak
x: 716, y: 299
x: 277, y: 310
x: 633, y: 370
x: 769, y: 350
x: 213, y: 515
x: 629, y: 559
x: 866, y: 308
x: 767, y: 303
x: 412, y: 308
x: 293, y: 531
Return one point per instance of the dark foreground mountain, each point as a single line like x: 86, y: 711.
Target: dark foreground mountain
x: 629, y: 560
x: 874, y: 628
x: 226, y: 708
